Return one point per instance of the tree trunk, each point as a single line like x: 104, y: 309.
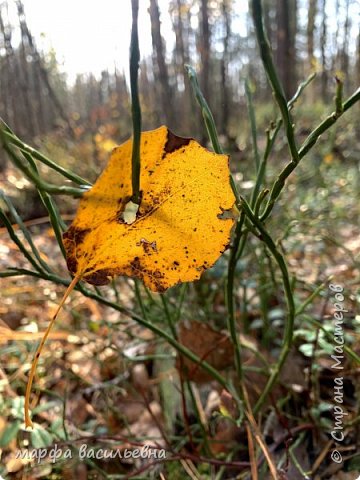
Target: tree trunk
x: 32, y: 122
x: 285, y: 51
x: 204, y: 44
x: 344, y: 59
x: 12, y: 77
x: 181, y: 59
x: 43, y: 72
x: 310, y: 32
x: 224, y: 125
x: 269, y: 9
x: 162, y: 72
x: 357, y: 80
x: 357, y: 73
x: 323, y: 39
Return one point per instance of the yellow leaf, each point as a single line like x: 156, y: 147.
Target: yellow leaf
x: 178, y: 231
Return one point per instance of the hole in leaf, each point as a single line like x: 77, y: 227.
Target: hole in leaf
x: 130, y: 211
x: 226, y: 214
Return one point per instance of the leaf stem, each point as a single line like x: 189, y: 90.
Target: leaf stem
x: 135, y: 103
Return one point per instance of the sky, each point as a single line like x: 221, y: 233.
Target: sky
x: 90, y: 36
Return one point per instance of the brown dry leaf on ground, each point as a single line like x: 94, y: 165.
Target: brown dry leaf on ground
x: 209, y: 345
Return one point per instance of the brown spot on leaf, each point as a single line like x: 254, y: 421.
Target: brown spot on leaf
x: 149, y: 247
x: 76, y: 234
x: 135, y: 264
x: 101, y: 277
x: 72, y: 264
x: 174, y: 142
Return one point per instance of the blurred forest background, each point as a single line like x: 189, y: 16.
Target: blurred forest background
x: 216, y: 37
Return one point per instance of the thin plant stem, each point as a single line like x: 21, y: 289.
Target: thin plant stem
x: 14, y: 140
x: 18, y: 242
x: 310, y: 298
x: 38, y: 182
x: 230, y: 298
x: 289, y: 327
x: 16, y: 217
x: 115, y: 290
x: 338, y: 97
x: 330, y: 336
x: 181, y: 301
x: 211, y: 129
x: 271, y: 135
x: 327, y: 123
x: 135, y: 103
x: 199, y: 419
x: 54, y: 215
x: 18, y: 272
x: 163, y: 334
x: 208, y: 119
x: 252, y: 124
x: 296, y: 463
x: 139, y: 299
x: 300, y: 89
x: 304, y: 149
x: 278, y: 91
x: 168, y: 316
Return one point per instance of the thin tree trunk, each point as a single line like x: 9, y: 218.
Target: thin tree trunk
x: 310, y: 32
x: 182, y: 58
x: 285, y: 53
x: 357, y: 80
x: 224, y: 68
x: 12, y: 77
x: 162, y: 74
x: 44, y: 74
x: 32, y: 123
x: 357, y: 73
x: 323, y: 40
x: 335, y: 58
x: 204, y: 44
x: 344, y: 59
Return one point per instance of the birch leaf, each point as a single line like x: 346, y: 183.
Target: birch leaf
x: 180, y: 228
